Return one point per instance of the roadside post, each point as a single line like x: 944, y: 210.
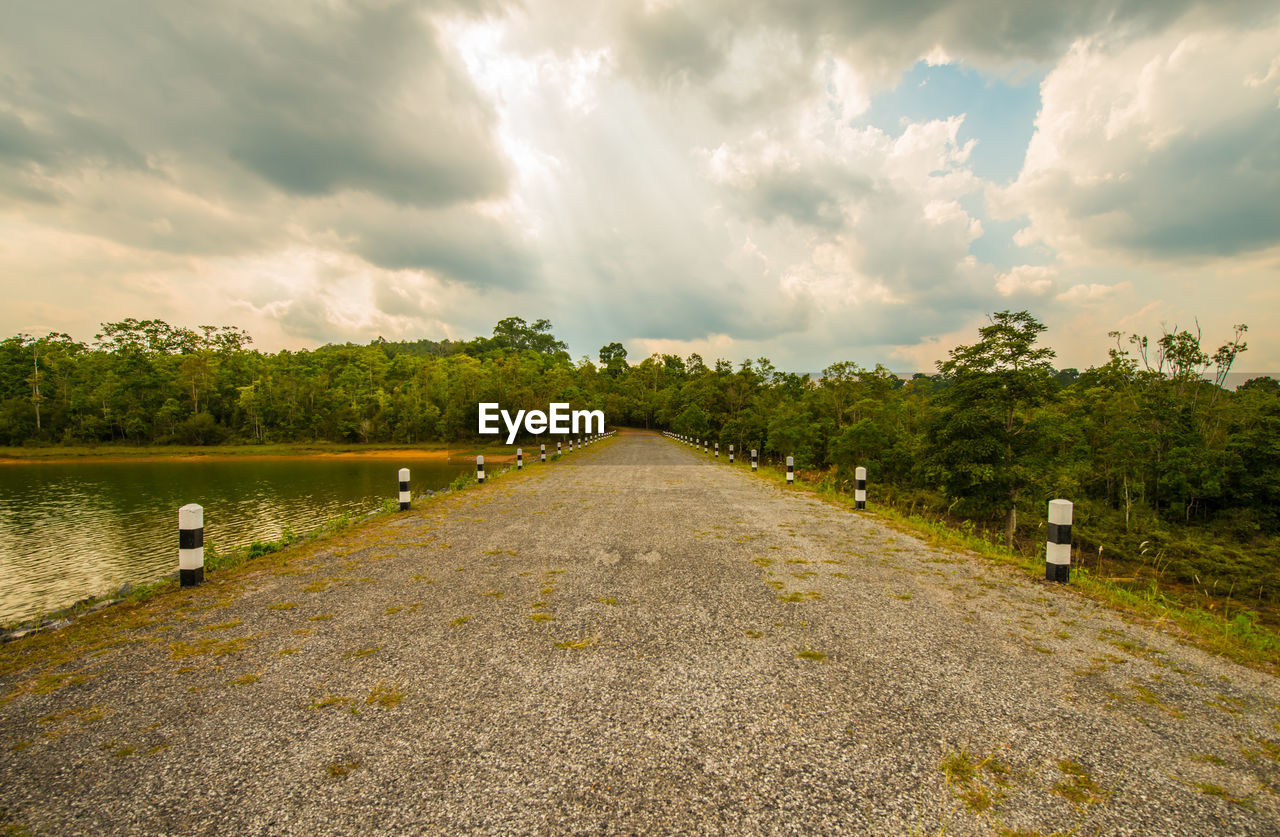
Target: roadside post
x: 190, y: 545
x: 1057, y: 551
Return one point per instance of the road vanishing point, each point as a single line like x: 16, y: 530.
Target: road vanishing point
x: 635, y: 639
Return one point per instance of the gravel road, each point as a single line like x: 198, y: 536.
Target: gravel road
x: 635, y: 639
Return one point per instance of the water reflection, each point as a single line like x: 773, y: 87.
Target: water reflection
x: 71, y: 530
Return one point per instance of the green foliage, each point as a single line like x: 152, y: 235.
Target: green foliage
x: 987, y: 439
x: 1173, y: 476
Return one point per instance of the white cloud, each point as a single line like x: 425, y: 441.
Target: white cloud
x: 1160, y: 148
x: 1027, y: 280
x: 1091, y: 293
x: 686, y: 174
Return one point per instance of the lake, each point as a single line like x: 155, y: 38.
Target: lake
x: 70, y: 530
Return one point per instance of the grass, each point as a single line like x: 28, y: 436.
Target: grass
x: 979, y: 783
x: 1147, y: 696
x: 576, y: 644
x: 384, y: 695
x: 811, y: 654
x: 1077, y: 786
x: 340, y: 769
x: 1240, y: 638
x: 1210, y: 758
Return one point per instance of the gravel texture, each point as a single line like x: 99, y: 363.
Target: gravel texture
x: 405, y: 677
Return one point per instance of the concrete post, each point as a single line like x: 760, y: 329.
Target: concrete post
x: 404, y: 489
x: 860, y: 488
x: 190, y: 545
x: 480, y: 469
x: 791, y: 470
x: 1057, y: 553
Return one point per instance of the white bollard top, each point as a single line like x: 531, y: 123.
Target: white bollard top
x: 191, y: 516
x: 860, y: 473
x: 519, y: 451
x: 404, y: 475
x: 1060, y: 512
x: 790, y: 461
x: 479, y: 460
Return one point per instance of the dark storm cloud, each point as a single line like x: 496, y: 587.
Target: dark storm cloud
x: 1207, y: 193
x: 670, y: 45
x: 457, y: 246
x: 815, y: 198
x: 225, y: 128
x: 311, y: 99
x: 887, y: 36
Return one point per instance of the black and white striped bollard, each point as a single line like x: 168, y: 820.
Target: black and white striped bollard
x: 1057, y: 552
x: 190, y: 545
x: 570, y: 446
x: 559, y: 450
x: 753, y: 460
x: 860, y: 488
x: 717, y: 450
x: 704, y: 446
x: 480, y: 469
x: 791, y: 470
x: 404, y: 489
x: 542, y: 452
x: 519, y: 459
x: 730, y: 454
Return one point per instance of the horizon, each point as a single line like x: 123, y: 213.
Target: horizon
x: 805, y: 184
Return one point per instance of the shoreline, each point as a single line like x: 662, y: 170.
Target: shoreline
x: 247, y: 453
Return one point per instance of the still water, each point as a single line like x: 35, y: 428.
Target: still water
x: 76, y: 529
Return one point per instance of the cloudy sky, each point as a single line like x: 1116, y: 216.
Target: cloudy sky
x: 810, y: 181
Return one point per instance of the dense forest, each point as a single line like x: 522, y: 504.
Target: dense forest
x: 1166, y: 467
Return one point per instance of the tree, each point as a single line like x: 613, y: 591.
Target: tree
x: 984, y: 428
x: 515, y: 333
x: 613, y: 358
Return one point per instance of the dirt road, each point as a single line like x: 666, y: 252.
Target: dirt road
x: 635, y: 639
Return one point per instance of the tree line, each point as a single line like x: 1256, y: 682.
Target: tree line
x: 1149, y: 444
